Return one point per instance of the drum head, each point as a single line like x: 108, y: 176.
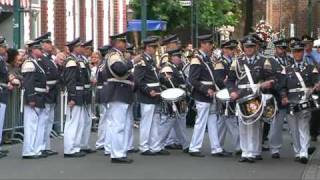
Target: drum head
x: 250, y: 105
x: 223, y: 95
x: 172, y: 94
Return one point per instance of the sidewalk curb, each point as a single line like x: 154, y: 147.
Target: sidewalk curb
x: 312, y: 170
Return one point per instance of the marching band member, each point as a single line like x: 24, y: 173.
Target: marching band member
x: 84, y: 57
x: 300, y: 82
x: 148, y: 94
x: 52, y: 74
x: 34, y: 84
x: 119, y: 98
x: 201, y: 78
x: 100, y: 94
x: 172, y: 77
x: 5, y: 85
x: 253, y: 69
x: 74, y: 80
x: 275, y: 133
x: 227, y: 121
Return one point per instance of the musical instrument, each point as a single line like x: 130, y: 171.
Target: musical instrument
x: 270, y: 107
x: 315, y: 101
x: 173, y: 95
x: 223, y: 95
x: 250, y: 108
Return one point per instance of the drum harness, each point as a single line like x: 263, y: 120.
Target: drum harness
x: 255, y: 89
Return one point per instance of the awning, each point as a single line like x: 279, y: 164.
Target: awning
x: 23, y: 3
x: 152, y: 25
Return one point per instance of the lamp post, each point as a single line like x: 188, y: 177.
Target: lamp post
x: 16, y: 24
x: 143, y: 19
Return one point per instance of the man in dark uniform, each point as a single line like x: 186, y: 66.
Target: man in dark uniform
x: 227, y: 121
x: 172, y: 77
x: 168, y: 42
x: 52, y: 75
x: 74, y: 79
x: 201, y: 77
x: 148, y: 94
x: 100, y: 94
x: 309, y: 54
x: 119, y: 98
x: 5, y: 86
x: 247, y: 75
x: 86, y: 51
x: 275, y: 133
x: 301, y: 80
x: 34, y: 84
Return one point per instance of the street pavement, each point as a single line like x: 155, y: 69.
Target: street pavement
x: 176, y: 166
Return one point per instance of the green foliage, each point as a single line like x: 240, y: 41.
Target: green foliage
x: 211, y: 12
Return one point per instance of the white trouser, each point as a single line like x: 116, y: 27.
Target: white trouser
x: 119, y: 119
x: 149, y: 128
x: 299, y: 129
x: 107, y: 137
x: 229, y: 124
x: 129, y: 129
x: 205, y: 118
x: 34, y: 126
x: 172, y: 138
x: 86, y: 127
x: 73, y: 129
x: 101, y: 127
x: 168, y: 124
x: 49, y: 116
x: 2, y: 116
x: 250, y: 137
x: 275, y: 133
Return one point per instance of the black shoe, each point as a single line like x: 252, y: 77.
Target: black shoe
x: 258, y: 158
x: 163, y: 152
x: 311, y: 150
x: 2, y: 155
x: 4, y: 151
x: 123, y: 160
x: 74, y: 155
x: 297, y: 159
x: 134, y: 150
x: 222, y: 154
x: 238, y: 153
x: 250, y: 160
x: 304, y: 160
x: 49, y: 152
x: 275, y: 156
x: 148, y: 153
x: 88, y: 151
x: 33, y: 157
x: 100, y: 149
x: 107, y: 155
x: 173, y: 147
x: 314, y: 138
x: 265, y: 149
x: 243, y: 159
x: 186, y: 150
x: 196, y: 154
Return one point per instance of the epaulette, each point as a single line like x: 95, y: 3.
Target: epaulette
x: 195, y: 60
x: 71, y: 63
x: 218, y: 66
x: 267, y: 65
x: 315, y: 70
x: 233, y: 65
x: 114, y: 57
x: 28, y: 66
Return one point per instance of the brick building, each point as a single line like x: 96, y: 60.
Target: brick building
x: 67, y: 19
x: 281, y: 13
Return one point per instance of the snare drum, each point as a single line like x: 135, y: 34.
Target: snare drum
x: 270, y: 108
x: 315, y: 102
x: 173, y: 95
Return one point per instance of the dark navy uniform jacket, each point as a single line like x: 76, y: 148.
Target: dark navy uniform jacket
x: 34, y: 82
x: 146, y: 78
x: 4, y: 79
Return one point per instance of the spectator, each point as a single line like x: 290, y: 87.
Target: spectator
x: 95, y: 60
x: 15, y: 60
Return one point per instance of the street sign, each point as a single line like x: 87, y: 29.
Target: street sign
x: 185, y: 3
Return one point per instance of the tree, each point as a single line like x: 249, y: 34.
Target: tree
x: 212, y: 13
